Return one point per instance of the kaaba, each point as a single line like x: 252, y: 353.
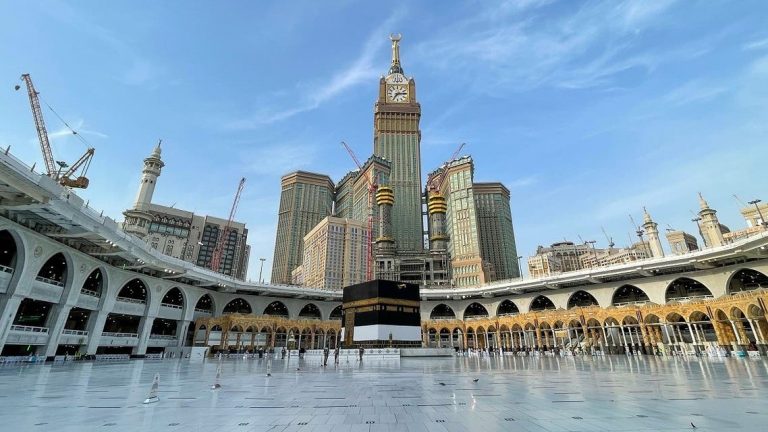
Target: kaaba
x: 382, y: 313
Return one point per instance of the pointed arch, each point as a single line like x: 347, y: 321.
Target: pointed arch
x: 238, y: 305
x: 205, y: 304
x: 9, y: 251
x: 174, y: 297
x: 541, y: 303
x: 134, y: 289
x: 746, y: 280
x: 336, y: 313
x: 507, y: 307
x: 581, y: 298
x: 310, y: 311
x: 475, y: 310
x: 276, y: 308
x: 442, y: 311
x: 685, y: 289
x: 629, y: 294
x: 55, y: 270
x: 94, y: 284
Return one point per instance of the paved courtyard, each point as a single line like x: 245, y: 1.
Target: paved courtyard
x: 521, y: 394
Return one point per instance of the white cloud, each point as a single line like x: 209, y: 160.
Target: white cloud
x: 695, y: 91
x: 584, y: 49
x: 277, y: 160
x: 755, y: 45
x: 361, y: 70
x: 522, y: 182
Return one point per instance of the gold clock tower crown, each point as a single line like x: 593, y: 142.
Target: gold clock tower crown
x: 396, y: 88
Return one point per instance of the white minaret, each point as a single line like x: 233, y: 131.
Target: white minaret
x: 651, y: 228
x: 152, y: 167
x: 710, y: 226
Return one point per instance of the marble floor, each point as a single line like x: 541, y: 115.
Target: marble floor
x: 511, y: 394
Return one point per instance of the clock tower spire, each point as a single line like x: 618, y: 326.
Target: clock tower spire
x: 397, y: 138
x: 395, y: 68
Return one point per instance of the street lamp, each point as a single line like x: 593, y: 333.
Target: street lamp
x: 261, y: 268
x: 759, y: 213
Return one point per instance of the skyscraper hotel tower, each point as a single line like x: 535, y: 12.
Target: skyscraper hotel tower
x: 397, y: 138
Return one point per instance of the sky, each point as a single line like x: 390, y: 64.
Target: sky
x: 587, y: 110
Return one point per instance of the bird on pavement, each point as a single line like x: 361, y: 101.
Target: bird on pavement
x: 442, y: 384
x: 693, y: 425
x: 476, y: 380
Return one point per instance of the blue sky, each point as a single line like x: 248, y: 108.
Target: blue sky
x: 586, y: 110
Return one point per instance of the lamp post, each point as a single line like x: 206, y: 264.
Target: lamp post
x: 759, y: 213
x: 261, y: 268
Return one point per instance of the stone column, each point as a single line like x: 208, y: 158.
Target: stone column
x: 145, y: 327
x: 9, y: 305
x: 95, y: 329
x: 55, y: 323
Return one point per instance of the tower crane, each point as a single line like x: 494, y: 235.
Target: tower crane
x: 611, y: 244
x: 64, y: 178
x: 434, y: 183
x: 372, y: 186
x: 218, y: 251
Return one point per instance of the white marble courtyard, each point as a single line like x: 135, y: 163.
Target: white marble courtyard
x: 522, y: 394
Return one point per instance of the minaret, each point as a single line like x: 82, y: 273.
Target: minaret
x: 651, y: 228
x: 152, y: 167
x: 385, y: 199
x: 710, y: 226
x: 436, y: 208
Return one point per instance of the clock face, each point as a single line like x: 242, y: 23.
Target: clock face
x: 397, y: 93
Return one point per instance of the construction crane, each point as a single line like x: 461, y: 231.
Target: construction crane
x: 218, y: 251
x: 372, y: 186
x: 611, y: 244
x: 433, y: 184
x: 64, y: 178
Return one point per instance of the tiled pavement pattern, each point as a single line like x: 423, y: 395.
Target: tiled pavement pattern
x: 512, y: 394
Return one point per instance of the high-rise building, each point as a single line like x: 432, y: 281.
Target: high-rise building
x: 397, y: 138
x: 183, y: 234
x: 343, y: 196
x: 335, y: 254
x: 456, y: 185
x: 495, y: 229
x: 305, y: 199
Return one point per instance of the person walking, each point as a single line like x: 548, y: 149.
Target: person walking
x: 336, y: 355
x: 326, y: 352
x: 361, y: 351
x: 282, y: 357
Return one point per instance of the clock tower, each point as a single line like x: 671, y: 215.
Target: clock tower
x: 397, y: 138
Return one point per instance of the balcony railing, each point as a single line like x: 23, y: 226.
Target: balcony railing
x: 49, y: 281
x: 5, y: 269
x: 205, y: 311
x: 126, y: 335
x: 172, y: 306
x: 32, y: 329
x: 89, y: 293
x: 131, y: 300
x: 159, y: 336
x: 74, y: 332
x: 690, y: 298
x: 639, y: 303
